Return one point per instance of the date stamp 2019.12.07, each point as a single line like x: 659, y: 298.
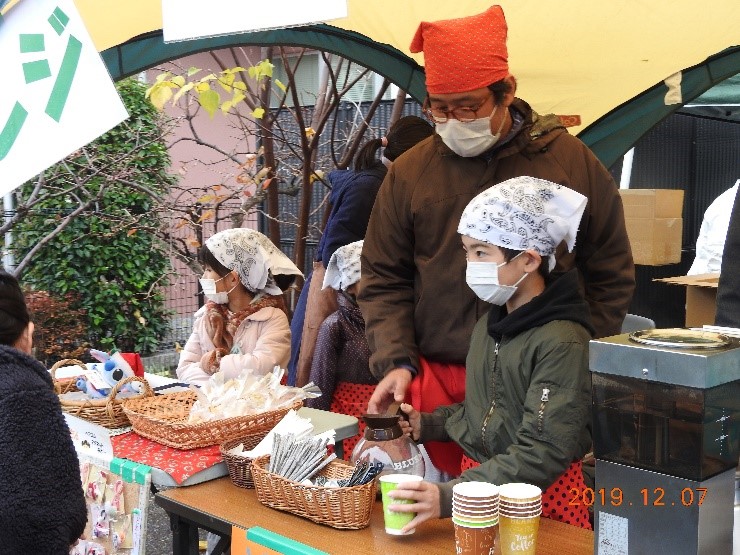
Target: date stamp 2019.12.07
x: 647, y: 497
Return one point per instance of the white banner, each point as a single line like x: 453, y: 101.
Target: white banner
x: 192, y: 19
x: 57, y: 95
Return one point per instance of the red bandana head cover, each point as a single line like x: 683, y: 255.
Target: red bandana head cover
x: 463, y: 54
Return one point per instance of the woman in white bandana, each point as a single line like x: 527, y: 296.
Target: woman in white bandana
x: 342, y: 353
x: 244, y: 323
x: 527, y: 404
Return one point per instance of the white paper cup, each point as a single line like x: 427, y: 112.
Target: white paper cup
x: 475, y: 490
x: 518, y: 492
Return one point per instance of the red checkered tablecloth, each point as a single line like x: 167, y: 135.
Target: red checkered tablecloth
x: 178, y: 463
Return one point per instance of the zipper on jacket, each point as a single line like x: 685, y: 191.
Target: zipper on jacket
x: 493, y: 400
x: 544, y: 399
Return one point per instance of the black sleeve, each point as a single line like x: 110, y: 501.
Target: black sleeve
x: 42, y: 505
x: 349, y: 224
x: 728, y: 292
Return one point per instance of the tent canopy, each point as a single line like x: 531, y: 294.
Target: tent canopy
x: 604, y: 62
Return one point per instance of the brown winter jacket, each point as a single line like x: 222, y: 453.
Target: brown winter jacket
x: 414, y: 297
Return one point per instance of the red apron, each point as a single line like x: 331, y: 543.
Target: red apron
x: 352, y: 398
x: 556, y: 499
x: 438, y: 384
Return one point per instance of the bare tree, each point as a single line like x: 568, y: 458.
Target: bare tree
x: 286, y: 137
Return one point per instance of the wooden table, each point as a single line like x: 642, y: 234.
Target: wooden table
x: 218, y: 505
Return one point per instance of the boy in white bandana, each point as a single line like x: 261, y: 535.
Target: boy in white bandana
x: 527, y: 406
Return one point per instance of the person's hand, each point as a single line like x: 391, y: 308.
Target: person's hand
x: 391, y: 388
x: 411, y: 425
x: 426, y: 505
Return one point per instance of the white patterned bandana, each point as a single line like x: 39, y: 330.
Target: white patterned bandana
x: 254, y: 257
x: 525, y: 213
x: 344, y: 267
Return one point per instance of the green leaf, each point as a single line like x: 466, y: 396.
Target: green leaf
x: 162, y: 76
x: 263, y: 69
x: 209, y: 100
x: 280, y: 85
x: 160, y: 95
x: 258, y: 113
x: 237, y: 98
x: 187, y: 87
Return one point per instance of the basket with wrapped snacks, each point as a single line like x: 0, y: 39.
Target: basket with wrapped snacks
x: 220, y: 411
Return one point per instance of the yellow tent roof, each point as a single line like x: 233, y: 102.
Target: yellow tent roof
x: 575, y: 57
x: 579, y: 58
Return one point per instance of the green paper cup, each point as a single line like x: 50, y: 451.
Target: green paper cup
x: 462, y: 521
x: 394, y: 520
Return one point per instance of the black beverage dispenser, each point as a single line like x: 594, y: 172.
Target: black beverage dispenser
x: 666, y: 405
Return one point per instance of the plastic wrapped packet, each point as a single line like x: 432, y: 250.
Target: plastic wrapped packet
x: 245, y: 395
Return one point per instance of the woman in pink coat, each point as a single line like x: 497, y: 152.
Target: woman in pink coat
x: 244, y: 323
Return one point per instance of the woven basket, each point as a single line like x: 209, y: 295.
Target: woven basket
x: 164, y: 419
x: 108, y: 411
x: 239, y: 467
x: 346, y: 508
x: 66, y: 385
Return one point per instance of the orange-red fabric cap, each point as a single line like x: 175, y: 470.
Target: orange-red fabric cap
x: 463, y: 54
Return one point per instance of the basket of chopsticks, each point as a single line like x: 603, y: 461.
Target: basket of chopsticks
x: 348, y: 507
x: 239, y: 466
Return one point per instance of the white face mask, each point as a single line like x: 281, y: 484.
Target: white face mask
x: 208, y: 286
x: 471, y: 138
x: 482, y: 278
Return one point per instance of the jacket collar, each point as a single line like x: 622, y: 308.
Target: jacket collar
x: 535, y: 134
x: 561, y: 300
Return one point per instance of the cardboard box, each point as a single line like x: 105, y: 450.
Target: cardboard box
x: 655, y: 241
x: 654, y: 224
x: 701, y: 297
x: 652, y: 203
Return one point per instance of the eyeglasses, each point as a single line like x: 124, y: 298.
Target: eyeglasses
x: 464, y: 114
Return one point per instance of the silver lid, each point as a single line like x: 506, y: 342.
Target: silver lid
x: 680, y: 338
x: 669, y: 356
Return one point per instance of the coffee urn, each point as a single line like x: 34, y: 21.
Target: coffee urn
x: 666, y: 405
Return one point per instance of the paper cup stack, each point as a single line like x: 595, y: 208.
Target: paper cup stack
x: 475, y: 510
x: 520, y: 507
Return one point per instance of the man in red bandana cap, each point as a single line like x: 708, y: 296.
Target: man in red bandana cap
x: 418, y: 310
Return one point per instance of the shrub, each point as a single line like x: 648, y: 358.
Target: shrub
x: 60, y: 330
x: 108, y: 255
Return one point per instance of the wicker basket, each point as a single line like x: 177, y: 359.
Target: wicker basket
x: 239, y: 467
x: 164, y: 419
x: 346, y: 508
x: 107, y: 411
x: 66, y: 385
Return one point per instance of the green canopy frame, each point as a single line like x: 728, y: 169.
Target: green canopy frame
x: 609, y: 137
